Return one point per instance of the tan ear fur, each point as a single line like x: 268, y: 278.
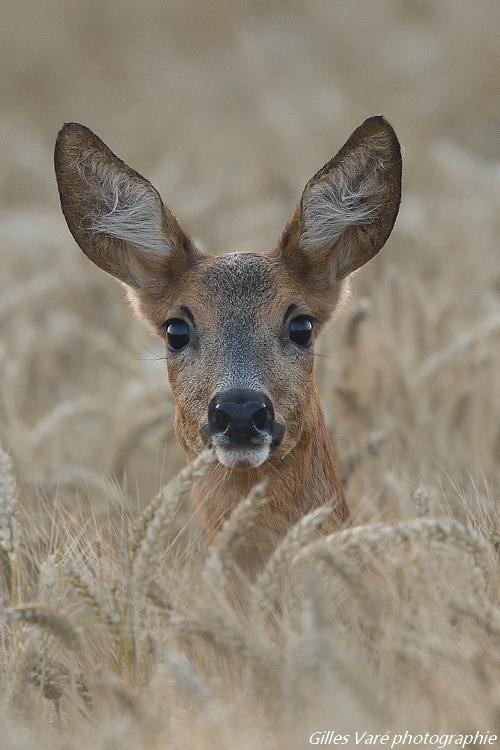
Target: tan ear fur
x: 348, y: 209
x: 115, y: 215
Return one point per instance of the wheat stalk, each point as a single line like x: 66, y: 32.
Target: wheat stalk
x: 421, y: 498
x: 372, y: 536
x: 63, y: 412
x: 129, y: 439
x: 267, y: 584
x: 53, y: 622
x: 488, y: 619
x: 447, y: 356
x: 350, y: 543
x: 89, y: 594
x: 187, y: 678
x: 85, y: 589
x: 141, y: 523
x: 371, y: 446
x: 52, y: 679
x: 159, y: 597
x: 8, y: 504
x: 358, y: 314
x: 9, y: 536
x: 25, y: 655
x: 80, y: 479
x: 234, y: 529
x: 153, y: 543
x: 123, y: 696
x: 213, y: 629
x: 339, y: 563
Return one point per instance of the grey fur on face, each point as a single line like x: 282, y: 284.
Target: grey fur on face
x: 240, y: 287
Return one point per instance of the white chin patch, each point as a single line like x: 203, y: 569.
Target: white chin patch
x: 241, y: 457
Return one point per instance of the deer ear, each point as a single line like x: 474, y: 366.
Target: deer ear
x: 349, y: 207
x: 115, y: 215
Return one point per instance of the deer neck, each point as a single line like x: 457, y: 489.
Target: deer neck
x: 304, y: 479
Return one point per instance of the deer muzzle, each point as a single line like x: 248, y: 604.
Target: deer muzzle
x: 242, y: 427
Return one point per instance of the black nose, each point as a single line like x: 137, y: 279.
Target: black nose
x: 241, y: 414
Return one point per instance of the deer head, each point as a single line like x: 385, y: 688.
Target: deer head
x: 240, y: 328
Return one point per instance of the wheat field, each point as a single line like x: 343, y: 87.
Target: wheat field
x: 116, y: 626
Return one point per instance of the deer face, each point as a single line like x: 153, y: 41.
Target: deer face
x: 239, y: 338
x: 239, y: 329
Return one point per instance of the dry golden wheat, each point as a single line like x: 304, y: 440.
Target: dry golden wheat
x: 233, y: 532
x: 8, y: 505
x: 53, y: 622
x: 152, y: 545
x: 267, y: 584
x: 390, y: 626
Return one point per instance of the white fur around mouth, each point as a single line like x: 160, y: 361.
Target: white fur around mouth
x: 241, y: 457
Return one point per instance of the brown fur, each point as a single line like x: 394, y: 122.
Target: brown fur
x: 238, y: 302
x: 305, y: 479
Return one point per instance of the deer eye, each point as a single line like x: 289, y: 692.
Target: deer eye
x: 177, y: 333
x: 301, y: 329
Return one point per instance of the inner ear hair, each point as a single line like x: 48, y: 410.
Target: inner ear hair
x: 129, y: 210
x: 349, y: 207
x: 344, y: 197
x: 116, y: 216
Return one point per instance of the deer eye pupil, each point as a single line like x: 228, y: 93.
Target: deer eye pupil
x: 177, y: 333
x: 301, y: 329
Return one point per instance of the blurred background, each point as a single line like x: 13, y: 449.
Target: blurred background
x: 229, y: 108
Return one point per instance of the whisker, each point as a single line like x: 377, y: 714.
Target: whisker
x: 325, y: 356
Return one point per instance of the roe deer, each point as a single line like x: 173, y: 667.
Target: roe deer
x: 240, y: 328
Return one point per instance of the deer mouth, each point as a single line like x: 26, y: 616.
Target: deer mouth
x: 242, y: 458
x: 247, y: 454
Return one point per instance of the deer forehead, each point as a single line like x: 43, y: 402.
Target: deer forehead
x: 240, y: 273
x: 245, y: 287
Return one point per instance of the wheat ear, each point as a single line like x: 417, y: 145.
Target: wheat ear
x: 266, y: 587
x: 233, y: 530
x: 88, y: 593
x: 55, y: 623
x: 25, y: 655
x: 9, y: 536
x: 373, y: 536
x: 156, y: 534
x: 186, y: 677
x: 141, y: 523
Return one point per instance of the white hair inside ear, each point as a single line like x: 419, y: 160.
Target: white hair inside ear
x: 350, y: 195
x: 333, y: 206
x: 128, y: 210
